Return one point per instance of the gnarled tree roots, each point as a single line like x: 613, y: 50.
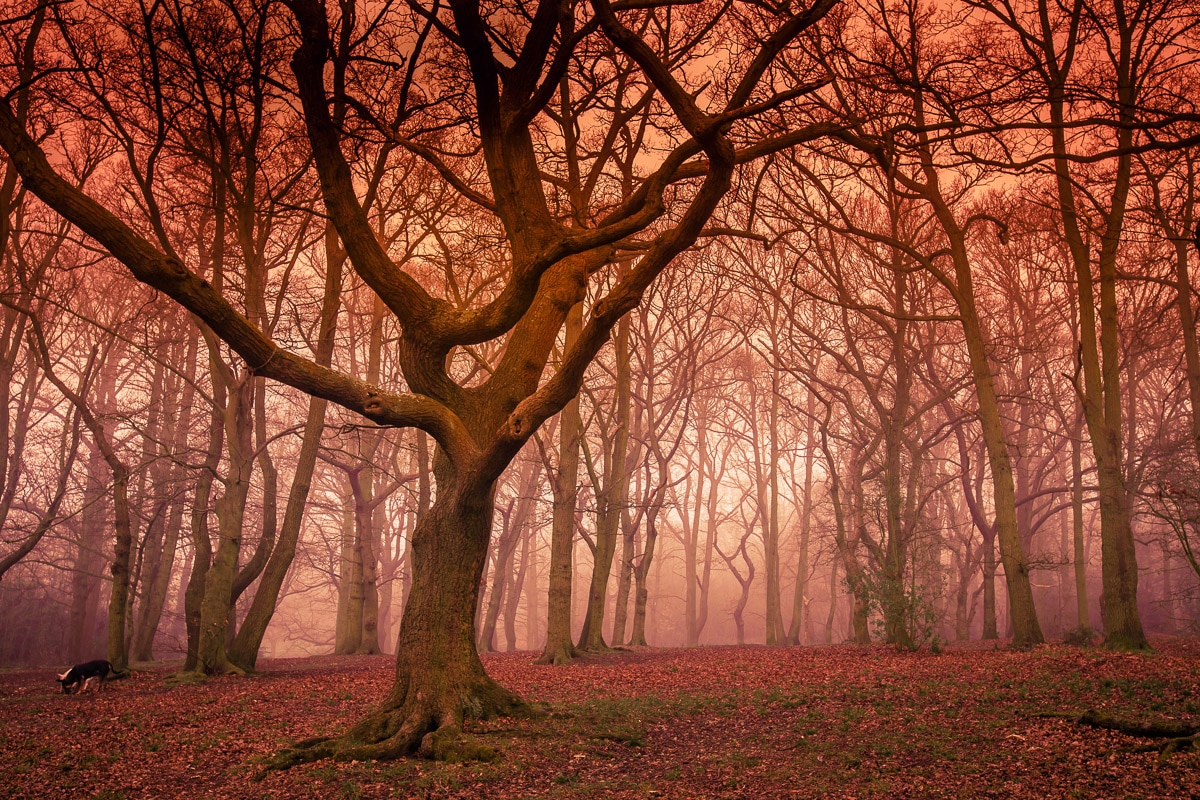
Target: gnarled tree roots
x: 420, y: 726
x: 1177, y: 736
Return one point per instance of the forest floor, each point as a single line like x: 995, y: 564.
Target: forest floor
x: 722, y: 722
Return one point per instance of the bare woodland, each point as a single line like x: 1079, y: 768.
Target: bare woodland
x: 443, y: 328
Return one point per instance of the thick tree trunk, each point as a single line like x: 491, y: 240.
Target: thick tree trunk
x: 439, y: 677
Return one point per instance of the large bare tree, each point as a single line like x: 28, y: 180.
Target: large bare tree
x: 719, y: 101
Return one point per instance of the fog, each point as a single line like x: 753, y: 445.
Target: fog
x: 873, y: 326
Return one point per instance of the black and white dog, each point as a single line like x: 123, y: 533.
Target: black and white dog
x: 80, y: 676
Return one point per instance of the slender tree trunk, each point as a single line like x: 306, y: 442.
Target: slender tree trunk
x: 1100, y: 356
x: 512, y: 594
x: 611, y: 502
x: 855, y: 577
x: 348, y: 631
x: 1082, y: 608
x: 216, y: 607
x: 1191, y: 349
x: 102, y: 440
x: 249, y: 637
x: 710, y: 540
x: 118, y: 653
x: 833, y: 598
x: 560, y: 648
x: 624, y: 577
x: 529, y: 554
x: 85, y: 575
x: 494, y: 602
x: 642, y: 573
x: 1022, y: 612
x: 201, y: 550
x: 366, y: 537
x: 505, y: 550
x: 776, y: 634
x: 799, y: 606
x: 692, y: 531
x: 157, y: 583
x: 253, y: 567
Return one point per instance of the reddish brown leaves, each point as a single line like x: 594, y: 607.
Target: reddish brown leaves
x: 713, y: 722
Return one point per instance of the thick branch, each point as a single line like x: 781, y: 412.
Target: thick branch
x: 174, y: 279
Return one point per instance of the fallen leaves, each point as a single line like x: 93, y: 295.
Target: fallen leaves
x: 706, y: 723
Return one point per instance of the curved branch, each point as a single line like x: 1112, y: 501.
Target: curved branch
x: 171, y: 277
x: 411, y: 304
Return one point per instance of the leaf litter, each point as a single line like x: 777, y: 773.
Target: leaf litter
x: 713, y: 722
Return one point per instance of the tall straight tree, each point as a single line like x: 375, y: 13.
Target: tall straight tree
x: 1127, y: 50
x: 919, y: 73
x: 512, y: 65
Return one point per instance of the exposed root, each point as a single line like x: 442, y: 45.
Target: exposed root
x: 1141, y: 728
x: 186, y: 678
x: 414, y: 728
x: 560, y: 655
x: 1178, y: 736
x: 1119, y: 643
x: 1181, y: 744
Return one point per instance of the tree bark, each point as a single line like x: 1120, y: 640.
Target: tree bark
x: 776, y: 634
x: 692, y: 531
x: 440, y: 680
x: 560, y: 647
x: 799, y: 599
x: 156, y: 585
x: 216, y: 605
x: 610, y: 501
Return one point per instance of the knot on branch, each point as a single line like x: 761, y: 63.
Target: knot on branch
x: 517, y: 426
x: 175, y: 267
x: 373, y: 407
